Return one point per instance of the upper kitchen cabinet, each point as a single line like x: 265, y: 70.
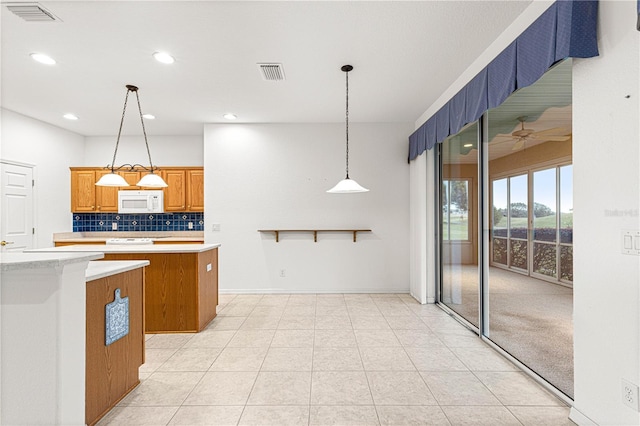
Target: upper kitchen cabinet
x: 132, y: 177
x: 106, y: 196
x: 185, y: 192
x: 175, y: 195
x: 195, y: 190
x: 83, y: 191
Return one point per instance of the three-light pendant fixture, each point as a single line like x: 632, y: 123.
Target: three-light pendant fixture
x: 347, y: 185
x: 150, y: 180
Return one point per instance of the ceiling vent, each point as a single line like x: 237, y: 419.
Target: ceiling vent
x: 32, y: 12
x: 271, y: 72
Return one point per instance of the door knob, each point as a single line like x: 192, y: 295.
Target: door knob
x: 4, y: 243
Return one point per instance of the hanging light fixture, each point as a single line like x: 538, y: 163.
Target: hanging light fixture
x: 347, y: 185
x: 151, y: 179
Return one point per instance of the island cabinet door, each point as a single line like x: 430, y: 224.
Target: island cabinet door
x: 170, y: 290
x: 207, y: 287
x: 112, y: 370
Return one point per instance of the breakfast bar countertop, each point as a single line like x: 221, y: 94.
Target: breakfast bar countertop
x: 131, y: 248
x: 28, y: 261
x: 106, y: 268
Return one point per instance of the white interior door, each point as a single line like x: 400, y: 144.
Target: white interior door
x: 16, y: 226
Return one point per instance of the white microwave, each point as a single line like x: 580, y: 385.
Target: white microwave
x: 140, y: 202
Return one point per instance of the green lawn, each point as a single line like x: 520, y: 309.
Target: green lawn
x: 459, y: 226
x: 539, y: 222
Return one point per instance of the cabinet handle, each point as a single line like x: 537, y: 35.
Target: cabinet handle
x: 93, y: 207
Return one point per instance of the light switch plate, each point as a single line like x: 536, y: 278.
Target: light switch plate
x: 630, y: 242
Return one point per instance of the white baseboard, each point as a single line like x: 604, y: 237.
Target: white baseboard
x: 311, y: 291
x: 580, y: 419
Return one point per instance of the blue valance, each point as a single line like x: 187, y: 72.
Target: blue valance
x: 566, y: 29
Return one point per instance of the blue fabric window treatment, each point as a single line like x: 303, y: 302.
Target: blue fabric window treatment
x: 566, y: 29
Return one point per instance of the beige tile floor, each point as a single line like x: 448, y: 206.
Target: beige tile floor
x: 331, y: 359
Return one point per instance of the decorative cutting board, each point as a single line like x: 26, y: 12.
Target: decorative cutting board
x: 117, y: 318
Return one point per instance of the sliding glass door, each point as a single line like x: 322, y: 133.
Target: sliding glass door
x: 521, y: 178
x: 459, y: 223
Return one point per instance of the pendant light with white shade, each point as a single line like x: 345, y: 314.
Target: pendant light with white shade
x: 150, y: 180
x: 347, y: 185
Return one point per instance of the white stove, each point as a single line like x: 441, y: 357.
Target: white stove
x: 130, y: 241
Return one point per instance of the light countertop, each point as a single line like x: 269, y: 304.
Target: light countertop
x: 144, y: 248
x: 24, y: 261
x: 106, y: 268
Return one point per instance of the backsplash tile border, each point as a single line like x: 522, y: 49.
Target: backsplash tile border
x: 103, y: 222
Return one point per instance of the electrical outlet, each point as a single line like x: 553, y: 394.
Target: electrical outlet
x: 114, y: 226
x: 190, y: 225
x: 283, y: 273
x: 630, y: 394
x: 215, y: 227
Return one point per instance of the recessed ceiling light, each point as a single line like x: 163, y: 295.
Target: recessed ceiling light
x: 164, y: 57
x: 70, y: 116
x: 468, y: 145
x: 43, y: 59
x: 230, y: 116
x: 149, y: 116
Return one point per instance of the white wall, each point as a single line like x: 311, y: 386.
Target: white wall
x: 275, y: 176
x: 165, y: 150
x: 606, y: 178
x: 52, y: 150
x: 418, y: 209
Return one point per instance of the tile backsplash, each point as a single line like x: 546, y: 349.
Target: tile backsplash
x: 96, y: 222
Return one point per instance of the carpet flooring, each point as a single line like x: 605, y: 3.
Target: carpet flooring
x: 531, y: 319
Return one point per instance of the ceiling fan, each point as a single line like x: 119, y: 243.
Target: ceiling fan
x: 556, y: 134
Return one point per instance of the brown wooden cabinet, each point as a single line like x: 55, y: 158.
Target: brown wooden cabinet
x: 112, y: 371
x: 83, y: 191
x: 175, y: 195
x: 181, y: 291
x: 195, y: 190
x: 132, y: 179
x: 185, y: 192
x: 106, y: 196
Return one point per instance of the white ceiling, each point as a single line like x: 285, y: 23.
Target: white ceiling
x: 405, y: 54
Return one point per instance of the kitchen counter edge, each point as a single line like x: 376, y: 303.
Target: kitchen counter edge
x: 126, y: 248
x: 46, y: 259
x: 106, y: 268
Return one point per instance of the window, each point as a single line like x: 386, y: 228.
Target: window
x: 455, y: 210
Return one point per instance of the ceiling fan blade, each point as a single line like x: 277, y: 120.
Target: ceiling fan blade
x: 557, y: 138
x: 559, y: 131
x: 518, y: 145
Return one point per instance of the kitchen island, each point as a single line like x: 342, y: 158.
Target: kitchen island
x: 56, y: 365
x: 181, y: 292
x: 112, y: 366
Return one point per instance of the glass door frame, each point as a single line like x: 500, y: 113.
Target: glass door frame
x: 484, y: 252
x: 439, y: 226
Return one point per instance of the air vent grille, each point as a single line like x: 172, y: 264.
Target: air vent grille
x: 271, y: 72
x: 32, y: 12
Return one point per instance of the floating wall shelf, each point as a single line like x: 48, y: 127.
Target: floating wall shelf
x: 315, y: 232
